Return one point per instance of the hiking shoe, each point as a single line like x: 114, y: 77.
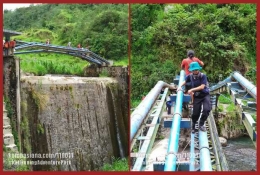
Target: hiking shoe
x: 203, y: 128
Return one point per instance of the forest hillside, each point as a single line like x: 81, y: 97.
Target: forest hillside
x: 223, y: 36
x: 103, y: 28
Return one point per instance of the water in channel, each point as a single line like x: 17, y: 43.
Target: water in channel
x: 240, y: 154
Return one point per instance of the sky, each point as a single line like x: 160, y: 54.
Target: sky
x: 12, y: 6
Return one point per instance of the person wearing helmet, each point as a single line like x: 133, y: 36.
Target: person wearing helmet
x: 200, y: 91
x: 191, y: 58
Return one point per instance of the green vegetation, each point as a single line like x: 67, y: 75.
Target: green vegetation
x: 123, y: 62
x: 244, y: 102
x: 8, y: 107
x: 4, y: 148
x: 231, y: 108
x: 117, y: 165
x: 223, y: 36
x: 103, y: 28
x: 25, y: 128
x: 104, y: 73
x: 40, y: 128
x: 10, y: 114
x: 40, y: 99
x: 254, y: 117
x: 135, y: 103
x: 41, y: 64
x: 220, y: 108
x: 8, y: 160
x: 225, y: 98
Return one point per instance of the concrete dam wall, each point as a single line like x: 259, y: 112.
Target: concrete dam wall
x: 83, y: 116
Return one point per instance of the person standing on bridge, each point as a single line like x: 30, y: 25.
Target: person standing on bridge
x: 48, y: 41
x: 12, y: 46
x: 6, y: 47
x: 69, y: 44
x: 186, y: 61
x: 3, y: 46
x: 200, y: 88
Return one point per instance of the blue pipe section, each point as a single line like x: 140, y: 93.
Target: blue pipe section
x: 250, y: 88
x: 220, y: 84
x: 205, y: 161
x: 171, y: 157
x: 143, y: 108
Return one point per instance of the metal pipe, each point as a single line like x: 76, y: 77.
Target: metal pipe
x: 220, y: 84
x: 88, y: 58
x: 143, y: 108
x: 250, y: 88
x: 152, y: 131
x: 215, y: 140
x: 192, y: 153
x: 205, y: 162
x: 171, y: 158
x: 59, y: 48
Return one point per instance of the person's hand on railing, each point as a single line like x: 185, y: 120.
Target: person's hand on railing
x: 179, y: 89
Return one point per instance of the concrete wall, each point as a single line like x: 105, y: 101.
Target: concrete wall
x: 10, y: 77
x: 82, y: 116
x: 9, y: 80
x: 121, y: 74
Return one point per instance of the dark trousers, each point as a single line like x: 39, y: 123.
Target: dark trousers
x: 168, y: 106
x: 5, y: 51
x: 205, y: 101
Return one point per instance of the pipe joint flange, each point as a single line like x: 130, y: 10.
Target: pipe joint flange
x: 204, y: 147
x: 172, y: 153
x: 177, y: 114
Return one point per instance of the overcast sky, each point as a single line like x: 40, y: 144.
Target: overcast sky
x: 12, y: 6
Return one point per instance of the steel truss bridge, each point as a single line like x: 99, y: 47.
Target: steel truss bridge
x: 27, y: 47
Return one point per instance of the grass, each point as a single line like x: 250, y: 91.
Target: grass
x: 231, y: 108
x: 48, y: 63
x: 244, y: 102
x: 117, y: 165
x: 224, y: 98
x: 254, y: 117
x: 122, y: 62
x: 45, y: 63
x: 220, y: 108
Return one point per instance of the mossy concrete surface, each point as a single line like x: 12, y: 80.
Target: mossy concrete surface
x: 86, y: 117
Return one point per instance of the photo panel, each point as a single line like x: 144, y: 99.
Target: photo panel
x: 193, y: 87
x: 65, y: 87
